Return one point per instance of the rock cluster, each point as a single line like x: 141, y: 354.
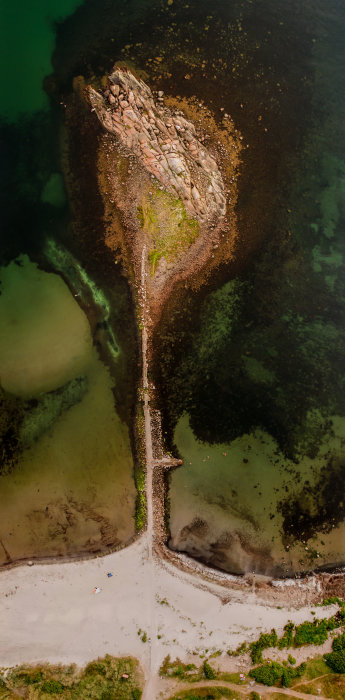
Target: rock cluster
x: 164, y: 142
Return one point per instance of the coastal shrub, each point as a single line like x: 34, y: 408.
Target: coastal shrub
x: 268, y: 674
x: 336, y: 661
x: 208, y: 671
x: 333, y: 600
x: 315, y: 632
x: 176, y: 669
x: 274, y: 673
x: 101, y: 679
x: 241, y: 649
x: 291, y: 660
x: 52, y: 687
x: 339, y: 643
x: 265, y: 641
x: 286, y: 640
x: 30, y: 678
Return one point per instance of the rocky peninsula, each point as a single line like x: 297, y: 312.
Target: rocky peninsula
x: 156, y: 171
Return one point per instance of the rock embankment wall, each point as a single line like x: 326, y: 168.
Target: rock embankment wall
x: 164, y: 142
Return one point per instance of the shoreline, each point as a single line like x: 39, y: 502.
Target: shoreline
x: 197, y: 277
x: 71, y: 624
x: 157, y: 601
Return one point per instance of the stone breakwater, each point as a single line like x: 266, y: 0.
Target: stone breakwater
x: 164, y: 142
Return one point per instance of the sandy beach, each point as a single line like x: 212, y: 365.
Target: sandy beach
x: 49, y: 612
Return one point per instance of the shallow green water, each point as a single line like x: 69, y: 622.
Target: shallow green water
x: 66, y: 472
x: 66, y: 484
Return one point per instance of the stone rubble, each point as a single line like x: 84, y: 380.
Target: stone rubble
x: 165, y: 143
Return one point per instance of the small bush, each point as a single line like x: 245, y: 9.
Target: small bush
x: 268, y: 674
x: 52, y: 687
x: 208, y: 671
x: 265, y: 641
x: 286, y: 640
x: 339, y: 643
x: 32, y: 678
x: 333, y: 600
x: 315, y: 632
x: 274, y: 673
x: 336, y: 661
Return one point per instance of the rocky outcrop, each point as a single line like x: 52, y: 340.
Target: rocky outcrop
x: 164, y: 142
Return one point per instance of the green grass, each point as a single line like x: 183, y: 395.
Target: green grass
x: 331, y: 686
x: 101, y: 679
x: 170, y: 230
x: 230, y: 677
x: 316, y: 667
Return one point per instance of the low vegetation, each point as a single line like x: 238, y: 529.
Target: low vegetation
x: 104, y: 679
x: 315, y: 632
x: 177, y: 669
x: 273, y: 673
x: 336, y: 659
x: 170, y: 230
x: 324, y: 673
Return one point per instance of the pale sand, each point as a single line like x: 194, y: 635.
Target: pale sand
x: 49, y: 612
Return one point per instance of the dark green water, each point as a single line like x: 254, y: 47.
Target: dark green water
x: 250, y: 371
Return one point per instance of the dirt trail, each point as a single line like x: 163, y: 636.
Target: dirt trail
x: 262, y: 690
x: 150, y: 687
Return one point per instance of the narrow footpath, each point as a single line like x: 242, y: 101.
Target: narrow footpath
x: 150, y: 685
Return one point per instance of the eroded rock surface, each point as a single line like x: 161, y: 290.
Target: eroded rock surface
x: 165, y: 143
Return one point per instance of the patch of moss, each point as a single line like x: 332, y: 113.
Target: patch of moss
x: 170, y: 230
